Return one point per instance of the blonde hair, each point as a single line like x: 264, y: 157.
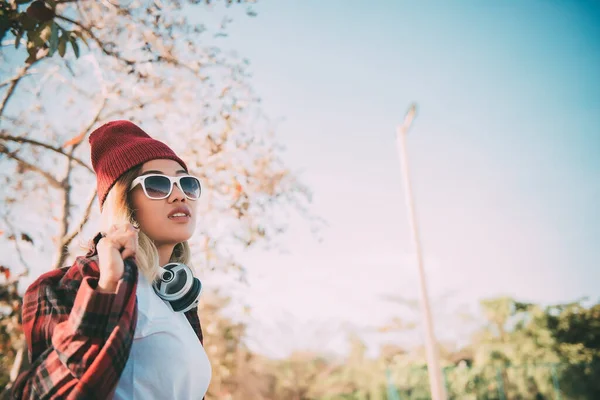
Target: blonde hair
x: 118, y: 209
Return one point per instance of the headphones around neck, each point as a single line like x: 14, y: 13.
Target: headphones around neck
x: 177, y: 286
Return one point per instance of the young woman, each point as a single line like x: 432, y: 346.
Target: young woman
x: 108, y: 326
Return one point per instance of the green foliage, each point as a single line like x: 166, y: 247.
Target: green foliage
x: 523, y: 352
x: 39, y: 25
x: 46, y: 28
x: 576, y: 329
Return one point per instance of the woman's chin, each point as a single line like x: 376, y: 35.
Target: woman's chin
x: 173, y: 238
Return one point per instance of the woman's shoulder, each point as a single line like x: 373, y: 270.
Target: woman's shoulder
x: 49, y: 300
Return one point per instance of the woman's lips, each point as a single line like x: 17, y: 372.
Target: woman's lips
x: 180, y: 218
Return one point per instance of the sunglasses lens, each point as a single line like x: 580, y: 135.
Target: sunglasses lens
x: 190, y: 186
x: 157, y: 187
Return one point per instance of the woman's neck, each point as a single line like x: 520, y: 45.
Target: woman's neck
x: 164, y: 253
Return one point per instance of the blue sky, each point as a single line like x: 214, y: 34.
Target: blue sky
x: 505, y: 153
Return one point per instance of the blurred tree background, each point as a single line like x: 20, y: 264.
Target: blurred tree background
x: 69, y: 66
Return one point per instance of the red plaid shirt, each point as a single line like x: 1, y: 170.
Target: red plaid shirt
x: 78, y: 338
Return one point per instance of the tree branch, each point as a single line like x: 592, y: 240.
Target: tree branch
x: 93, y: 121
x: 51, y: 179
x: 119, y: 113
x: 169, y: 59
x: 174, y: 61
x: 86, y: 215
x: 96, y: 39
x: 63, y: 250
x: 66, y: 238
x: 13, y: 79
x: 19, y: 252
x: 14, y: 82
x: 45, y: 145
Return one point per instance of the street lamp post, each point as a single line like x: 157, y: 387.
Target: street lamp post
x: 436, y: 384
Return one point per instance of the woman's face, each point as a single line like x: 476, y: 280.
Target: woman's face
x: 155, y: 217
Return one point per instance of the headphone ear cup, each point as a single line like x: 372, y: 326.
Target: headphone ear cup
x: 190, y: 299
x: 178, y: 288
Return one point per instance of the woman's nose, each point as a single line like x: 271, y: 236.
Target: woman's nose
x: 177, y: 194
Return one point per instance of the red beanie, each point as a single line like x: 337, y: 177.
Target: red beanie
x: 118, y: 146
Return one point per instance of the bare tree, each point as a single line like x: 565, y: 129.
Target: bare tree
x: 145, y: 61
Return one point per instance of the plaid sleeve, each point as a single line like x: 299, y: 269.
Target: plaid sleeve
x: 78, y: 340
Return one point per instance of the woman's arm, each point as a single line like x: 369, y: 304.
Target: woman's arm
x: 77, y: 351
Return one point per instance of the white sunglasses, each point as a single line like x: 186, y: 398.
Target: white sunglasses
x: 158, y: 186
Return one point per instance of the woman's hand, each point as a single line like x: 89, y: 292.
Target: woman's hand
x: 119, y: 243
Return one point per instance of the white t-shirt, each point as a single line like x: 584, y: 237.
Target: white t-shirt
x: 167, y: 361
